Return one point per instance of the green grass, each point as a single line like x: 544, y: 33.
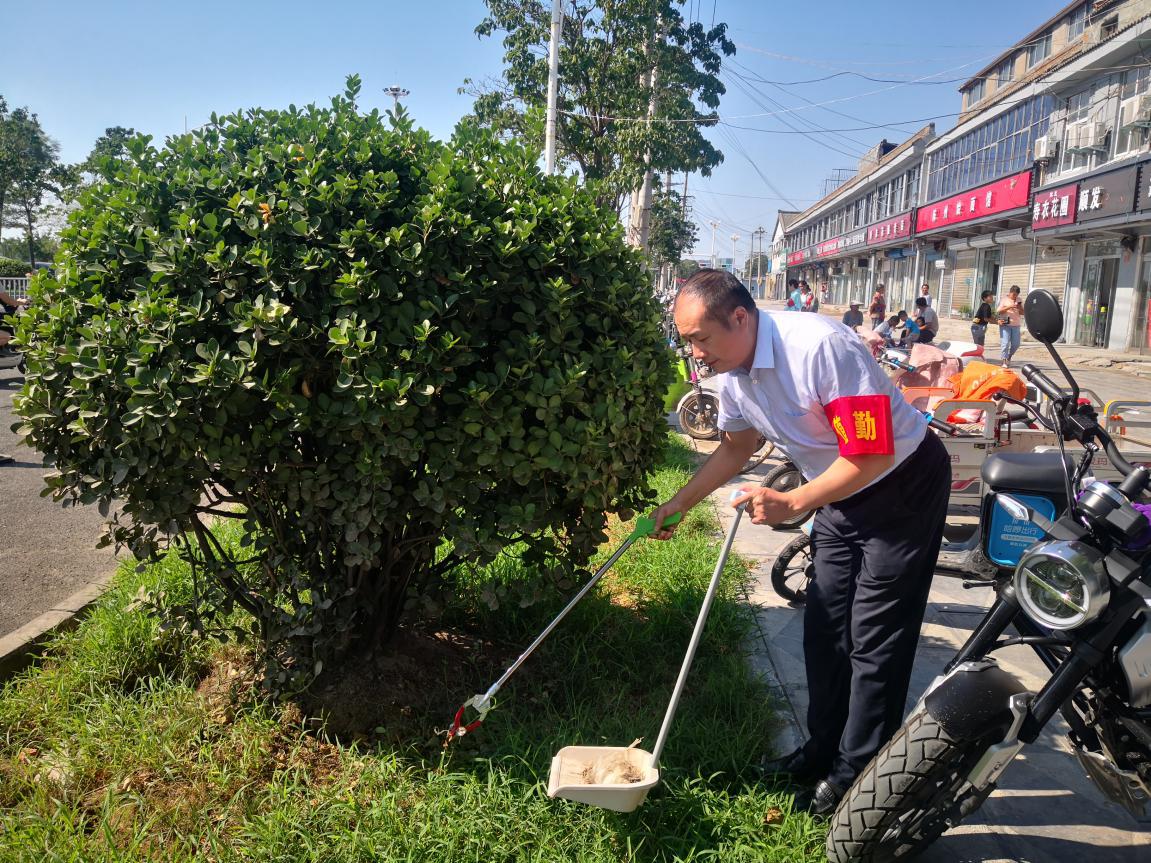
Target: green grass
x: 125, y: 745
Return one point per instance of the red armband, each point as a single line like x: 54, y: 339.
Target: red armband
x: 862, y: 425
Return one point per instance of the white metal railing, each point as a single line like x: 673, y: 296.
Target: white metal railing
x: 17, y: 288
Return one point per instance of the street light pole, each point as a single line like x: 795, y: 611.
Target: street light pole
x: 396, y: 93
x: 714, y: 224
x: 734, y: 240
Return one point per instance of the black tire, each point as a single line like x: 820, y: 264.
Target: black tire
x: 793, y: 570
x: 908, y: 795
x: 699, y: 416
x: 763, y: 451
x: 785, y: 477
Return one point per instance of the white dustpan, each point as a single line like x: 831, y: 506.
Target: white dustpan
x: 572, y: 766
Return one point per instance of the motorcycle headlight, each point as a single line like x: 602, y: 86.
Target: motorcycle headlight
x: 1062, y: 585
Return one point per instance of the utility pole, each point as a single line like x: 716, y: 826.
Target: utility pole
x: 714, y: 224
x: 396, y: 93
x: 734, y: 240
x: 553, y: 87
x: 759, y: 265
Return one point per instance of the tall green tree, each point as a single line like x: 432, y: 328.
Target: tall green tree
x: 673, y: 232
x: 607, y: 53
x: 29, y: 168
x: 103, y: 161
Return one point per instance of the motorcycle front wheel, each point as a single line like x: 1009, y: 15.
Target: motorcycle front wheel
x: 699, y: 416
x: 909, y: 794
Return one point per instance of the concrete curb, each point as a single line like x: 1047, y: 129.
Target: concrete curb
x: 18, y: 649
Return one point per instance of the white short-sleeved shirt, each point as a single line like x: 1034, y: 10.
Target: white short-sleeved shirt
x: 802, y: 364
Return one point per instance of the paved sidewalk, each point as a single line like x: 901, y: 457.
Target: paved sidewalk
x: 1045, y: 809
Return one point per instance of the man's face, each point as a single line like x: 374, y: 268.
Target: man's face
x: 722, y: 348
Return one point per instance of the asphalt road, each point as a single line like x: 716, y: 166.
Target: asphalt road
x: 47, y: 552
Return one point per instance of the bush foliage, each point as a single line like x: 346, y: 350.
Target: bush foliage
x: 12, y: 269
x: 384, y: 354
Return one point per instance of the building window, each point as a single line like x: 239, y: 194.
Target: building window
x: 1085, y: 142
x: 1039, y: 50
x: 975, y: 91
x: 1109, y: 28
x: 1134, y: 111
x: 1004, y: 73
x: 995, y: 149
x: 1076, y: 23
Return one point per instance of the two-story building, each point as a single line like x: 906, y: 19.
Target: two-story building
x: 860, y: 234
x: 777, y: 290
x: 1045, y: 182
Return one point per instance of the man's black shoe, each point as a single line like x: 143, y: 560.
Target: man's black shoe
x: 796, y: 766
x: 820, y: 800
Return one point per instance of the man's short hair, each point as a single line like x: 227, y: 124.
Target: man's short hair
x: 791, y: 282
x: 921, y: 302
x: 720, y: 292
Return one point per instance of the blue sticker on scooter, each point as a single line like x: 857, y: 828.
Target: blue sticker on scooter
x: 1008, y: 538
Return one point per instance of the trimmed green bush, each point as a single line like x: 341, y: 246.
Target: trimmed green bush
x: 12, y: 269
x: 384, y: 354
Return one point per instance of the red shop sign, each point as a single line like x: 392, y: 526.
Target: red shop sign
x: 1054, y: 207
x: 829, y: 247
x: 797, y: 257
x: 892, y: 229
x: 1007, y: 194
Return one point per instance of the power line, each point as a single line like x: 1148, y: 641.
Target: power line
x: 759, y: 99
x: 752, y: 197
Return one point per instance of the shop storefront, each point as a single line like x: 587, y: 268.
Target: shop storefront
x: 1101, y: 216
x: 982, y: 230
x: 892, y: 259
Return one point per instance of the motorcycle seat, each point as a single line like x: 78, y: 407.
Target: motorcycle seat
x: 1041, y: 472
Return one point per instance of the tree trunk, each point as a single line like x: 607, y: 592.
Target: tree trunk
x: 31, y: 242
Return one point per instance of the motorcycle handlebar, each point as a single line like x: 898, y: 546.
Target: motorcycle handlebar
x: 1043, y: 383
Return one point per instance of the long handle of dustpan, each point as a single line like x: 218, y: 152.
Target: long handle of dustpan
x: 695, y: 637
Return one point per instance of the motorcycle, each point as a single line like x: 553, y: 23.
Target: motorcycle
x: 698, y: 410
x: 1080, y: 597
x: 10, y: 358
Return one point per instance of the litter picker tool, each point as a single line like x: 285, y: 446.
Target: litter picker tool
x: 619, y: 777
x: 482, y: 703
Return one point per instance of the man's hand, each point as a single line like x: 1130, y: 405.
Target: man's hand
x: 668, y: 509
x: 765, y: 505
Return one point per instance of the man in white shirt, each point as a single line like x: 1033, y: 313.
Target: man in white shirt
x: 930, y: 318
x: 881, y: 481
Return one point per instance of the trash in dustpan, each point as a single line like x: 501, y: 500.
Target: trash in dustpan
x: 611, y: 777
x: 619, y: 777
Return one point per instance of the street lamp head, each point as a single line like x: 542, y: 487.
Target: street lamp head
x: 397, y: 93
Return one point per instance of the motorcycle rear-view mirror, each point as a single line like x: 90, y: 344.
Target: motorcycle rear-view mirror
x: 1043, y: 316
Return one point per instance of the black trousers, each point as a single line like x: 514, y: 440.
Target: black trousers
x: 874, y: 556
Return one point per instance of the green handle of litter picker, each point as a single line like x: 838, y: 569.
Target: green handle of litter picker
x: 645, y: 526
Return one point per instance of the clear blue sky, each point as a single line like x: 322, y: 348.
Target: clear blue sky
x: 84, y: 65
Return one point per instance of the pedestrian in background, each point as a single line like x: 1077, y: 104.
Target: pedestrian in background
x: 795, y: 296
x: 853, y: 317
x: 1009, y: 312
x: 982, y: 318
x: 878, y: 307
x: 925, y: 292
